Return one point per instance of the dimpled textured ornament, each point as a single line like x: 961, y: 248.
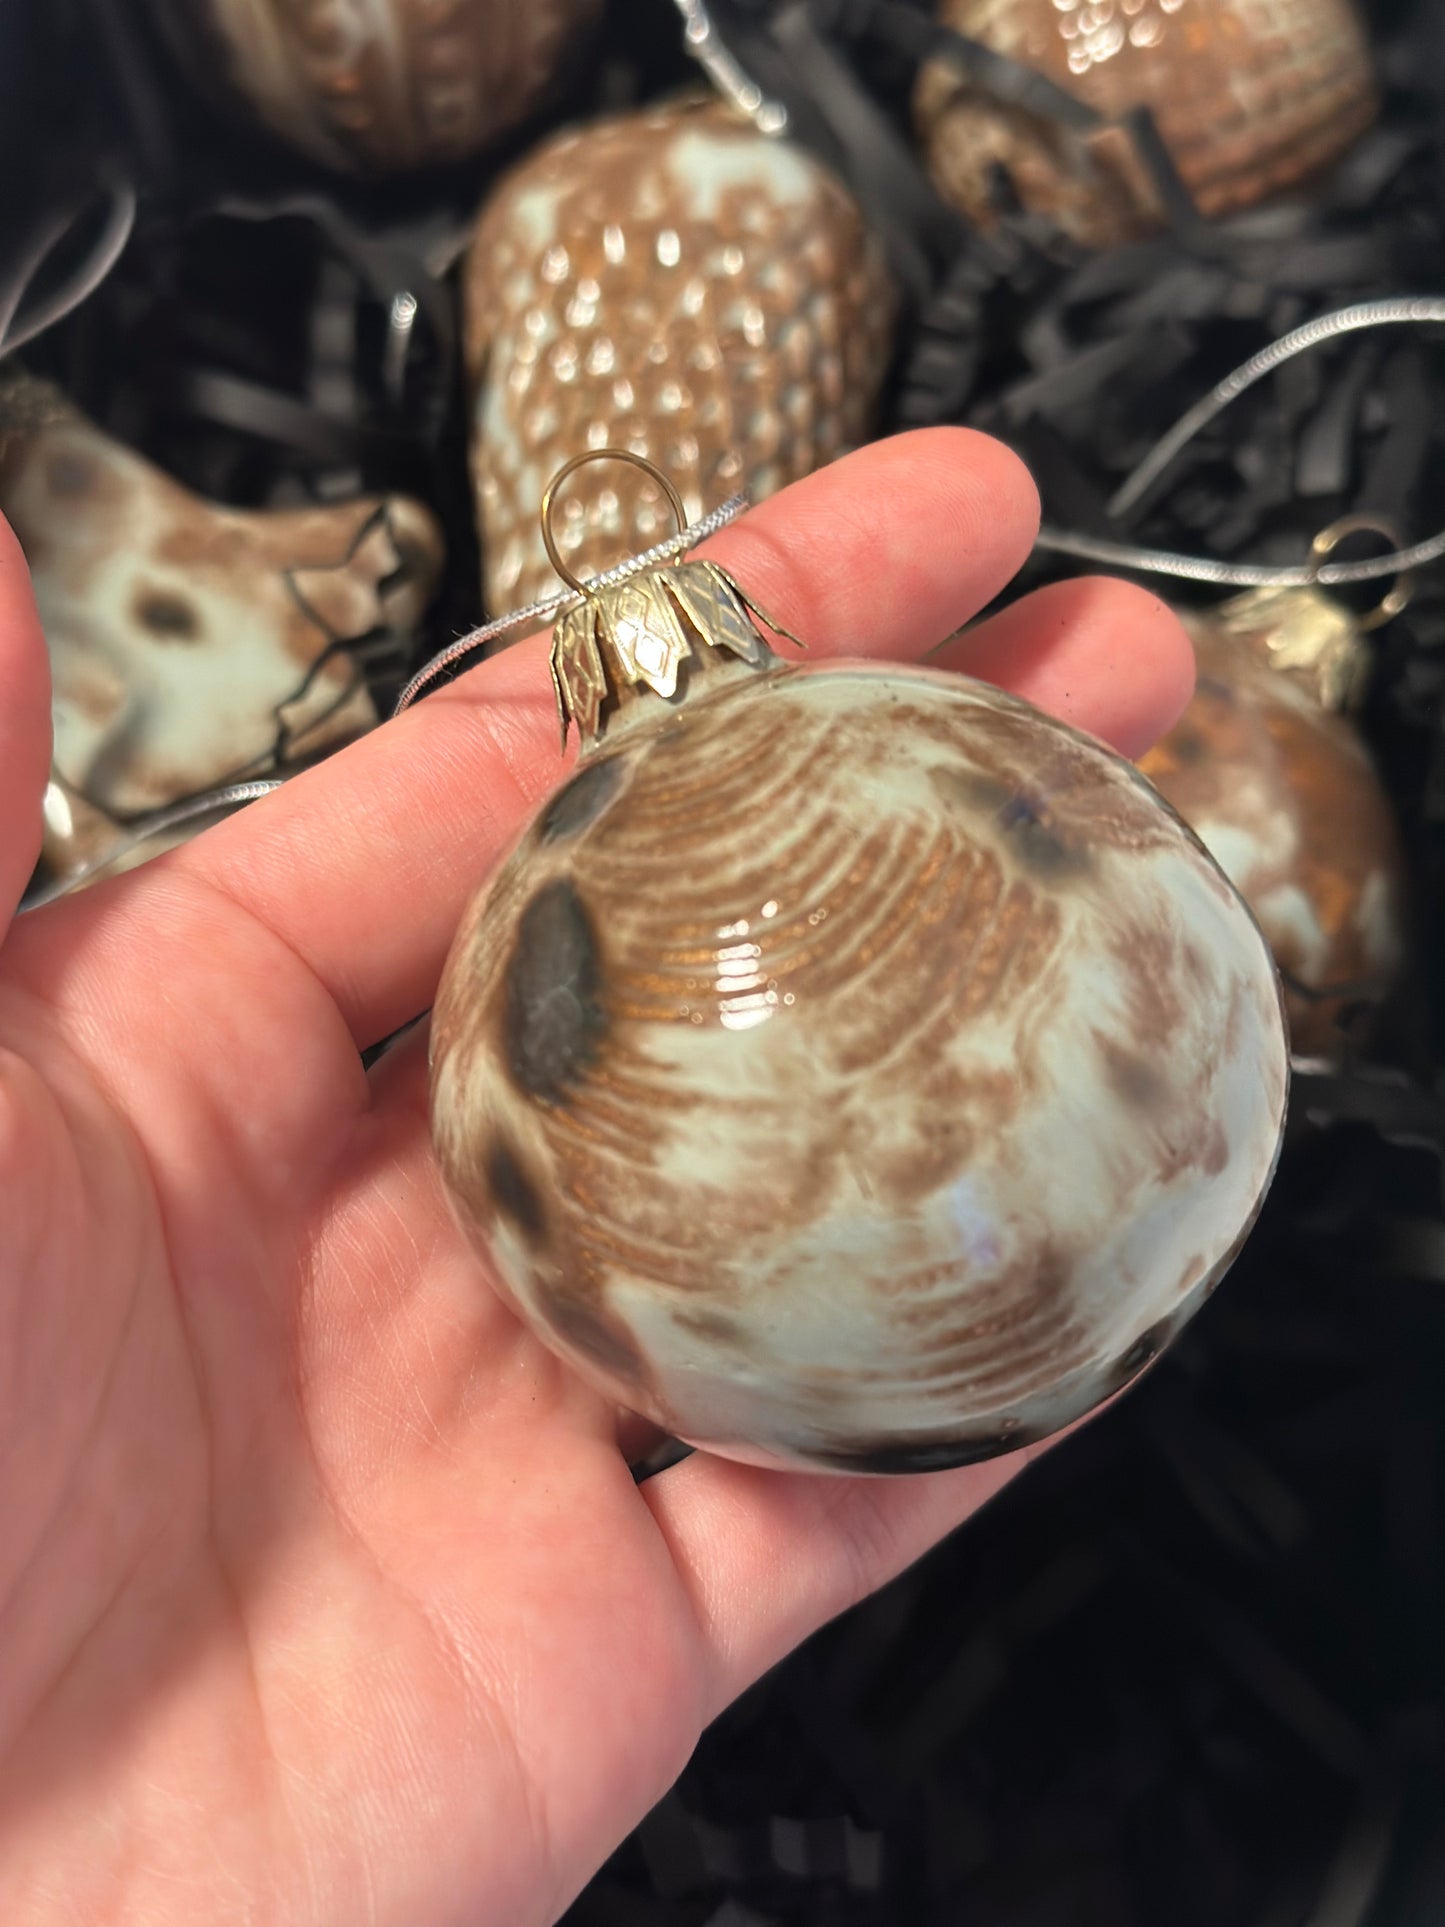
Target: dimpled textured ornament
x: 1281, y: 789
x: 1249, y: 96
x: 676, y: 283
x: 189, y: 641
x: 850, y: 1067
x: 375, y: 86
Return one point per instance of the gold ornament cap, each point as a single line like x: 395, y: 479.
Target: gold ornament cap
x: 1309, y: 634
x: 635, y: 629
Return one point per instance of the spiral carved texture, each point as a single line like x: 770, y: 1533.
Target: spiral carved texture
x: 1284, y: 795
x: 377, y: 85
x: 860, y: 1071
x: 1249, y: 96
x: 679, y: 284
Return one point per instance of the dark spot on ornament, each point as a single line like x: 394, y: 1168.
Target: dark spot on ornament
x: 1040, y: 847
x: 515, y: 1195
x: 580, y: 802
x: 170, y: 618
x: 1188, y: 747
x: 554, y: 1016
x: 1131, y: 1076
x: 715, y: 1325
x: 1217, y: 691
x: 1145, y: 1349
x: 898, y: 1459
x: 70, y: 475
x: 1215, y: 1154
x: 1033, y: 839
x: 589, y: 1330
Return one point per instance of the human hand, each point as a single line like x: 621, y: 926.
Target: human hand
x: 326, y: 1594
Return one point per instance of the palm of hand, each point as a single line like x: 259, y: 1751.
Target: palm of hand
x: 325, y: 1593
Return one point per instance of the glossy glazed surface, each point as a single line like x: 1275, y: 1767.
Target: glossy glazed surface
x: 1285, y: 796
x: 1249, y: 96
x: 677, y: 283
x: 184, y: 636
x: 378, y: 85
x: 857, y: 1069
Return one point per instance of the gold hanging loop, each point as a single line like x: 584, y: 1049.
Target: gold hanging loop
x: 1403, y: 587
x: 549, y: 497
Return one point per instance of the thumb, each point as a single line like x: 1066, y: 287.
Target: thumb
x: 24, y: 725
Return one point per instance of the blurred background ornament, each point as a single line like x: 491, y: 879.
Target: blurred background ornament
x: 678, y: 284
x: 191, y: 643
x: 376, y: 86
x: 1280, y: 787
x: 1248, y: 96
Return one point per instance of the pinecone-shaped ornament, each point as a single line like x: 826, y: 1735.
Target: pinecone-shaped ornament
x: 675, y: 283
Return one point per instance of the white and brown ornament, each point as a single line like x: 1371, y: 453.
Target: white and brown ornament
x: 375, y: 86
x: 850, y: 1067
x: 1281, y: 788
x: 1250, y: 97
x: 675, y: 283
x: 189, y: 641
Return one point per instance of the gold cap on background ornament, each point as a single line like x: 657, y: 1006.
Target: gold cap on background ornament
x: 1267, y: 767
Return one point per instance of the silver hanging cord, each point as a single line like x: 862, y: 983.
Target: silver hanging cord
x: 538, y: 614
x: 1411, y: 310
x: 701, y: 39
x: 1396, y: 311
x: 18, y: 328
x: 535, y: 616
x: 231, y: 797
x: 1404, y: 310
x: 1238, y: 575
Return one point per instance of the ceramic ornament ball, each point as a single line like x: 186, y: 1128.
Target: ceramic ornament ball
x: 850, y: 1067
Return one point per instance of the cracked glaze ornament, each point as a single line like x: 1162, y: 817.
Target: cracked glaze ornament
x: 1249, y: 97
x: 676, y: 283
x: 850, y: 1067
x: 190, y: 643
x: 376, y: 86
x: 1281, y: 789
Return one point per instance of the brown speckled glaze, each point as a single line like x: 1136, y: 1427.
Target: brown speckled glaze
x: 1284, y: 794
x: 186, y: 637
x: 381, y: 85
x: 678, y: 284
x: 1250, y: 96
x: 852, y: 1068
